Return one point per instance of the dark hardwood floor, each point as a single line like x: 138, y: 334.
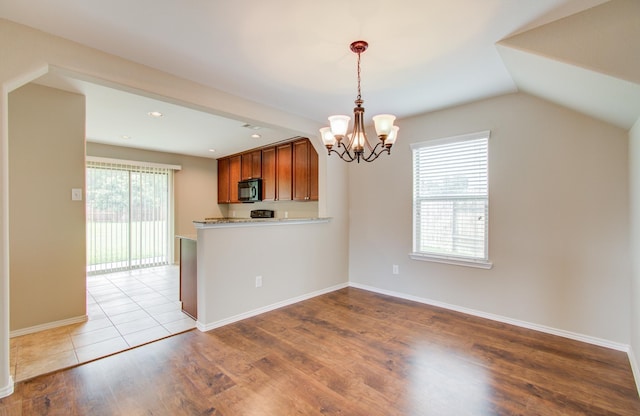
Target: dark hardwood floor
x: 350, y: 352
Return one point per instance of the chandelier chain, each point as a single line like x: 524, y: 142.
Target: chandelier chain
x: 359, y: 93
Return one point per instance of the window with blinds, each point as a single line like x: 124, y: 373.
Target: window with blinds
x: 129, y: 215
x: 451, y: 200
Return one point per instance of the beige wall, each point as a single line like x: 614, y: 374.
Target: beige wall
x: 195, y: 185
x: 47, y: 228
x: 558, y: 219
x: 585, y: 39
x: 634, y: 174
x: 282, y: 209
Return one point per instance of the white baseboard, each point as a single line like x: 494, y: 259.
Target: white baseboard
x: 49, y: 325
x: 213, y: 325
x: 8, y: 389
x: 541, y: 328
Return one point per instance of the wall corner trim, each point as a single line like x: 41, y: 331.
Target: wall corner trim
x: 634, y: 368
x: 8, y: 389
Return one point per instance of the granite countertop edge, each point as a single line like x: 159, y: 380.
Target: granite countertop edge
x: 255, y: 221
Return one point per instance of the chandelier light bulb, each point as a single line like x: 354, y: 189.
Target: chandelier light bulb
x: 359, y: 140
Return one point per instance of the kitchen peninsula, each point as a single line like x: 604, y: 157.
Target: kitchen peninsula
x: 269, y: 253
x: 247, y: 266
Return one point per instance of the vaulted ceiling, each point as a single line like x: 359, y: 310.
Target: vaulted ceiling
x: 292, y: 55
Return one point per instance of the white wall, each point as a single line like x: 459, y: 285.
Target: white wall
x: 558, y: 222
x: 634, y: 174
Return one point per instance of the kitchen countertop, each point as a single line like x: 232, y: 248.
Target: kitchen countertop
x: 187, y: 236
x: 240, y: 222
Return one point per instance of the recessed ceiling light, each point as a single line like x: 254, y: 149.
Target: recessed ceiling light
x: 124, y: 136
x: 156, y: 114
x: 255, y: 136
x: 212, y: 150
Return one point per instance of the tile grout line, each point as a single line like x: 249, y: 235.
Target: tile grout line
x: 137, y: 278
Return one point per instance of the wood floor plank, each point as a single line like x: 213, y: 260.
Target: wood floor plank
x: 349, y: 352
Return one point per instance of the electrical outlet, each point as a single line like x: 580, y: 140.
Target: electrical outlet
x: 258, y: 281
x: 396, y: 269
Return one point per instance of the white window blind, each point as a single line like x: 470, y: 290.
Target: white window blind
x: 129, y: 215
x: 451, y: 200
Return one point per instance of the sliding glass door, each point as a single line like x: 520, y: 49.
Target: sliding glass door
x: 129, y: 220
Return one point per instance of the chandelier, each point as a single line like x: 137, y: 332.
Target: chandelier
x: 357, y: 146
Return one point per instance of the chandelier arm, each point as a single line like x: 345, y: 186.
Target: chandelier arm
x: 373, y: 155
x: 348, y: 157
x: 342, y: 154
x: 375, y: 152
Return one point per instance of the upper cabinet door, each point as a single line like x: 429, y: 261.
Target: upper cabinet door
x: 269, y: 174
x: 305, y: 171
x: 283, y: 172
x: 252, y: 165
x: 223, y: 181
x: 313, y: 173
x: 234, y: 177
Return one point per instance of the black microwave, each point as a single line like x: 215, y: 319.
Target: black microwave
x: 250, y: 190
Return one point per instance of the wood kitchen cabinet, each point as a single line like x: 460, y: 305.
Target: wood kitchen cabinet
x: 252, y: 165
x: 269, y: 174
x: 305, y: 171
x: 235, y: 163
x: 284, y: 161
x: 224, y: 197
x: 289, y: 171
x: 228, y: 177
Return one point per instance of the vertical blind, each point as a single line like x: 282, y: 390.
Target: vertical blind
x: 451, y: 197
x: 129, y: 214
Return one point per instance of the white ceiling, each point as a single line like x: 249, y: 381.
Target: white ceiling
x: 293, y: 55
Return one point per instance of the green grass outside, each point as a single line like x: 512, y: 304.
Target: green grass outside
x: 108, y: 242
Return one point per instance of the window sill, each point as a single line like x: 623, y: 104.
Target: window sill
x: 480, y: 264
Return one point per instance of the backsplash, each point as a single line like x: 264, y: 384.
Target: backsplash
x: 283, y: 209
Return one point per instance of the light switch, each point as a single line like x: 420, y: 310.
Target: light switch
x: 76, y: 194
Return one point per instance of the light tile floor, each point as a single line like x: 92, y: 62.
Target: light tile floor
x: 125, y: 310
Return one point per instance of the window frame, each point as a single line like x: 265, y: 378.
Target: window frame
x: 460, y: 260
